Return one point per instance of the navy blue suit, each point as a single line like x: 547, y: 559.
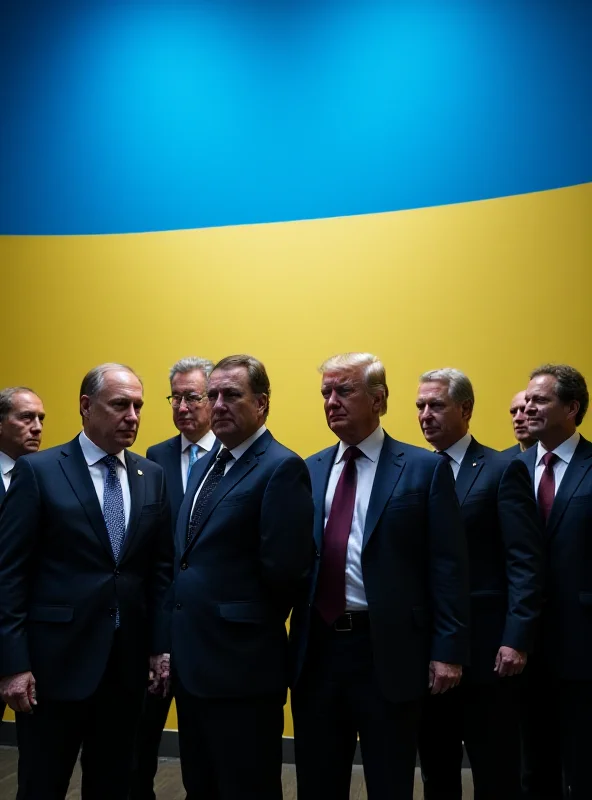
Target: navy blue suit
x: 235, y: 585
x: 506, y: 574
x: 156, y: 708
x: 59, y: 590
x: 414, y: 565
x: 2, y: 494
x: 560, y: 686
x: 512, y: 451
x: 168, y: 455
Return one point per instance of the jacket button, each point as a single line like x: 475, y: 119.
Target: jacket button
x: 178, y: 606
x: 112, y: 612
x: 184, y: 565
x: 317, y: 554
x: 116, y: 573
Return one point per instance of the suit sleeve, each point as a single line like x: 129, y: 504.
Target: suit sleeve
x: 448, y: 571
x: 162, y: 576
x: 19, y: 522
x: 286, y: 530
x: 523, y: 539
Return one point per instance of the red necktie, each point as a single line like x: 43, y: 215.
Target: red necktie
x: 330, y: 596
x: 546, y: 492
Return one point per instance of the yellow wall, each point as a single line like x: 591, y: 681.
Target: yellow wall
x: 492, y: 287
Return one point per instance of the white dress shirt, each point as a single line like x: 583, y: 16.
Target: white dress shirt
x: 355, y: 594
x: 204, y: 445
x: 457, y: 452
x: 6, y: 466
x: 93, y: 456
x: 564, y: 453
x: 237, y: 452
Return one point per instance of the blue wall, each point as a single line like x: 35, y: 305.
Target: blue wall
x: 129, y: 116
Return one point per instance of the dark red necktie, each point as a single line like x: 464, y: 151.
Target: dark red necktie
x: 546, y: 492
x: 330, y: 596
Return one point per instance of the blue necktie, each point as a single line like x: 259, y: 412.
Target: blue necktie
x: 215, y: 475
x: 193, y: 451
x: 113, y: 510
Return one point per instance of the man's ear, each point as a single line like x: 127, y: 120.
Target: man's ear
x: 467, y: 410
x: 574, y: 407
x: 84, y: 406
x: 262, y: 403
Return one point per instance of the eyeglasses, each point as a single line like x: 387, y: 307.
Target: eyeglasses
x: 191, y: 399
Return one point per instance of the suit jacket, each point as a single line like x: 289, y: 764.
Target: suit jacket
x: 414, y: 564
x: 504, y: 539
x: 2, y: 490
x: 60, y: 585
x: 567, y: 613
x: 168, y: 455
x: 239, y: 578
x: 512, y: 451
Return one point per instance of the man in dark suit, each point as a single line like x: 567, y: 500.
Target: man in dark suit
x: 386, y: 615
x: 242, y: 553
x: 85, y: 563
x: 505, y: 568
x: 520, y: 425
x: 177, y: 456
x: 559, y: 737
x: 21, y: 424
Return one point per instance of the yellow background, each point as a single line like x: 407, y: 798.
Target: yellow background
x: 493, y: 288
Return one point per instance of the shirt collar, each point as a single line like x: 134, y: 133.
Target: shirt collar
x: 93, y: 454
x: 370, y: 446
x: 6, y: 463
x: 206, y: 442
x: 458, y: 450
x: 242, y: 448
x: 565, y: 450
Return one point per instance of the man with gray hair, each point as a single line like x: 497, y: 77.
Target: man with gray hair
x: 505, y: 567
x: 86, y: 555
x: 21, y: 424
x: 177, y: 456
x: 386, y: 615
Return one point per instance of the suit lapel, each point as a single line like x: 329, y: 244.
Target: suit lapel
x: 137, y: 487
x: 247, y: 462
x: 2, y: 489
x: 471, y: 466
x: 391, y: 464
x: 531, y: 458
x: 577, y: 468
x: 76, y: 471
x: 173, y: 471
x: 320, y: 480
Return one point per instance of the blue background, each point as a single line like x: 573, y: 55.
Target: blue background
x: 128, y: 116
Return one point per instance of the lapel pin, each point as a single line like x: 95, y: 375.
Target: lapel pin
x: 141, y: 473
x: 474, y: 463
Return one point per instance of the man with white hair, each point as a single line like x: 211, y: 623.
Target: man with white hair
x: 505, y: 567
x: 386, y: 615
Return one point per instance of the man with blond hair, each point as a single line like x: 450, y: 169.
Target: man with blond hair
x: 386, y: 615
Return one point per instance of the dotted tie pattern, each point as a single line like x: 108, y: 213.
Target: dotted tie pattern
x: 113, y: 510
x: 214, y: 477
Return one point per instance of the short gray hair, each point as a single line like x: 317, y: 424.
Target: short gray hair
x: 93, y: 381
x: 374, y: 372
x: 6, y: 396
x: 460, y: 388
x: 190, y: 364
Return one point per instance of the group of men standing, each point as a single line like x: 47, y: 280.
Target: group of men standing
x: 436, y: 597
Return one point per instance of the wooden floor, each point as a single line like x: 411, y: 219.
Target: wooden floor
x: 169, y: 787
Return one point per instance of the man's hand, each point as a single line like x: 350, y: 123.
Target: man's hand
x: 18, y: 691
x: 509, y: 661
x: 444, y: 676
x: 159, y: 674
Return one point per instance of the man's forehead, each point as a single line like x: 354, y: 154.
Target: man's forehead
x: 227, y: 378
x: 432, y: 389
x: 544, y: 383
x: 25, y: 400
x: 340, y: 376
x: 193, y: 378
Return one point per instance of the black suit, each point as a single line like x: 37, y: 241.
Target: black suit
x: 2, y: 494
x: 60, y: 588
x: 235, y: 585
x: 560, y: 686
x: 414, y: 567
x: 505, y: 565
x: 156, y: 708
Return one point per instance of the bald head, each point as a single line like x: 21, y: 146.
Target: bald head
x: 520, y: 421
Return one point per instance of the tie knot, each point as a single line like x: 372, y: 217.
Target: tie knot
x: 193, y: 448
x: 224, y: 456
x: 444, y: 454
x: 111, y: 463
x: 351, y: 453
x: 549, y: 459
